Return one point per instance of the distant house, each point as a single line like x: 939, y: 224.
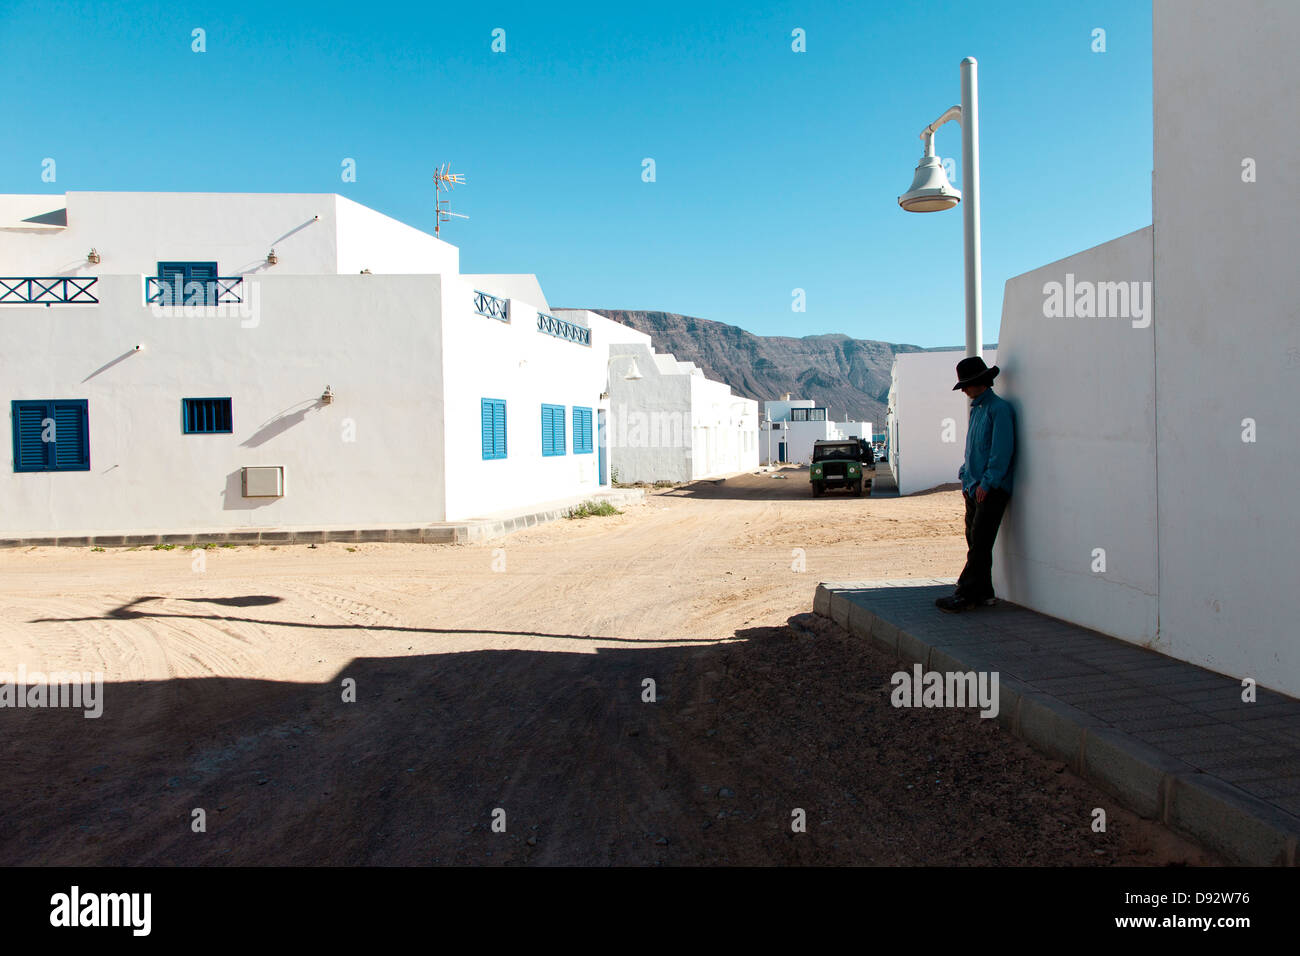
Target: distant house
x: 791, y: 425
x: 668, y: 422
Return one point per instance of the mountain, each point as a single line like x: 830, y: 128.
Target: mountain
x: 849, y: 376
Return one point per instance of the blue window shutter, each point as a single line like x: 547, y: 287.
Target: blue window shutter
x: 71, y: 443
x: 581, y: 430
x: 553, y: 436
x: 493, y: 422
x: 30, y: 453
x: 70, y: 448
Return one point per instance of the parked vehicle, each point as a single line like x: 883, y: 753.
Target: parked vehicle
x: 841, y: 464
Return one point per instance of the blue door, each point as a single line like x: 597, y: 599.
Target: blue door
x: 780, y: 451
x: 600, y: 445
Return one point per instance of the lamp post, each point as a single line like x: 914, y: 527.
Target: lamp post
x: 931, y: 192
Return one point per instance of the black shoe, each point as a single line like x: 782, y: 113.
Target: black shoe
x: 953, y: 605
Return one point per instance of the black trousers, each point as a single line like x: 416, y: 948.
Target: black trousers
x: 982, y: 520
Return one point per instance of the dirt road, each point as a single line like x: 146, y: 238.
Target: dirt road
x: 509, y: 677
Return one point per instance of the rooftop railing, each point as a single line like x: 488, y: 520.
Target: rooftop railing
x: 491, y: 306
x: 563, y: 329
x: 48, y: 290
x: 223, y: 290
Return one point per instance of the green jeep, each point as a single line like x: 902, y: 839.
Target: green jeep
x: 846, y: 463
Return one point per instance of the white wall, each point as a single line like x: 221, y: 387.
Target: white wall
x: 373, y: 339
x: 651, y: 418
x: 925, y: 412
x: 134, y: 231
x: 1084, y: 396
x: 370, y: 240
x: 1227, y: 335
x: 488, y: 358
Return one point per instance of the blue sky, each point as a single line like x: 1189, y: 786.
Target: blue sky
x: 775, y: 170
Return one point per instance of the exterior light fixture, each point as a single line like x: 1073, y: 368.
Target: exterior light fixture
x: 272, y: 258
x: 93, y: 257
x: 931, y: 192
x: 327, y: 396
x: 633, y: 373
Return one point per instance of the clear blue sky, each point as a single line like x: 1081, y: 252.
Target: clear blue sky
x: 774, y: 169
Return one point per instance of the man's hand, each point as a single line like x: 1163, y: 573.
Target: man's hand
x: 980, y: 494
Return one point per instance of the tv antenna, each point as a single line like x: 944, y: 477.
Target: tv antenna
x: 444, y: 180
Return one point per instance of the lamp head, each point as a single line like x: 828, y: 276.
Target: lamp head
x: 931, y: 191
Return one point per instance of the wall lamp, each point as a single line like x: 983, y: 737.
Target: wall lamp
x: 93, y: 257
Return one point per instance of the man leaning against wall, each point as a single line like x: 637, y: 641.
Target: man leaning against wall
x: 985, y: 477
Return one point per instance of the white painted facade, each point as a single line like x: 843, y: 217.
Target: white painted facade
x: 784, y: 439
x: 1172, y: 448
x: 671, y: 423
x: 927, y: 420
x: 405, y: 355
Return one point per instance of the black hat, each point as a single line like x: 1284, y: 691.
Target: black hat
x: 973, y: 371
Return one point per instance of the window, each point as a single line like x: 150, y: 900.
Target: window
x: 582, y: 431
x: 798, y: 414
x: 493, y: 414
x: 816, y: 414
x: 51, y: 435
x: 189, y: 282
x: 206, y: 416
x: 554, y: 438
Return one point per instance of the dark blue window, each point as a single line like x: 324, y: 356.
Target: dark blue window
x: 206, y: 416
x: 582, y: 444
x: 494, y: 428
x: 189, y: 283
x: 51, y: 435
x: 554, y: 437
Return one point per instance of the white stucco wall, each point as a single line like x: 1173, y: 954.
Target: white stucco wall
x: 488, y: 358
x: 134, y: 231
x: 374, y: 340
x: 1227, y: 335
x: 927, y: 424
x: 370, y: 240
x: 673, y: 423
x: 1084, y: 394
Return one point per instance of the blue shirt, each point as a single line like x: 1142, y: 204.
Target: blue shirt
x: 990, y: 444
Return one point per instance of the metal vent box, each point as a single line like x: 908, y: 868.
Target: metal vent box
x: 264, y: 482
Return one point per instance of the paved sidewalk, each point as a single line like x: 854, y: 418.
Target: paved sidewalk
x: 468, y: 531
x: 1170, y: 740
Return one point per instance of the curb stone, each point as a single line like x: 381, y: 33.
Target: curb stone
x: 1212, y: 812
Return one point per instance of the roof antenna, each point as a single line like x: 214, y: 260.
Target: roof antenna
x: 444, y: 179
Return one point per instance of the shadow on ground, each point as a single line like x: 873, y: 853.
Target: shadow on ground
x: 743, y: 736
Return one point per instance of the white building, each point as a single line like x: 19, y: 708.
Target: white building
x: 1156, y: 480
x: 667, y: 422
x: 927, y: 420
x: 791, y: 425
x: 351, y: 378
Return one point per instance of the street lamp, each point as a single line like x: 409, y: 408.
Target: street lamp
x: 931, y: 192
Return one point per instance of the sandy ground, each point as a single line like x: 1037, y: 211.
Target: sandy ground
x: 509, y: 676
